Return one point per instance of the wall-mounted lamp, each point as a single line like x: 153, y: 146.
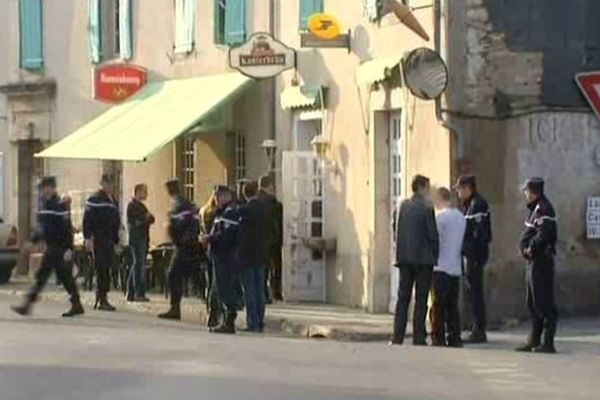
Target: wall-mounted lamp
x: 320, y: 145
x: 270, y: 148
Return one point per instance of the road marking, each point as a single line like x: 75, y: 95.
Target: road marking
x: 508, y: 377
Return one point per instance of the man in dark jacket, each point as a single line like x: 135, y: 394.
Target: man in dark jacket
x: 274, y: 210
x: 417, y: 251
x: 184, y: 229
x: 139, y: 220
x: 476, y: 252
x: 538, y: 247
x: 253, y: 256
x: 101, y: 224
x: 222, y: 242
x: 54, y: 228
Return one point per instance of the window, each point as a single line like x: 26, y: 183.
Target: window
x: 30, y: 30
x: 308, y: 8
x: 186, y: 163
x: 185, y: 19
x: 230, y: 22
x: 240, y: 155
x: 110, y: 30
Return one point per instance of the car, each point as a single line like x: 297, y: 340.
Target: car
x: 9, y: 251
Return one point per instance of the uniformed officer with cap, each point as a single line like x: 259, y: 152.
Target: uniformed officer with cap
x: 184, y: 229
x: 101, y: 225
x: 222, y: 242
x: 538, y: 247
x: 55, y: 229
x: 478, y: 236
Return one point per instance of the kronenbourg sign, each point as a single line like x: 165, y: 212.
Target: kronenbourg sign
x: 262, y: 56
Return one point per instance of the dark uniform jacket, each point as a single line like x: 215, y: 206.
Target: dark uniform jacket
x: 101, y: 219
x: 184, y: 228
x: 478, y: 234
x: 223, y: 236
x: 54, y: 224
x: 417, y: 241
x: 540, y: 234
x: 274, y: 212
x: 139, y: 219
x: 253, y: 235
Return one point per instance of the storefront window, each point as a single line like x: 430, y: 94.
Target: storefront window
x: 240, y: 155
x: 189, y: 175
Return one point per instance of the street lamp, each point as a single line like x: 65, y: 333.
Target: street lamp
x: 270, y: 148
x: 320, y: 145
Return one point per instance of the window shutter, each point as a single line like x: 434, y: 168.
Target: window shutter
x: 308, y: 8
x: 94, y: 30
x: 125, y: 29
x: 235, y: 22
x: 30, y: 23
x: 185, y: 14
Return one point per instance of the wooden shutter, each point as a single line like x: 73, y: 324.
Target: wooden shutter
x: 125, y: 29
x: 30, y: 23
x: 235, y: 22
x: 308, y: 8
x: 94, y: 30
x: 185, y: 16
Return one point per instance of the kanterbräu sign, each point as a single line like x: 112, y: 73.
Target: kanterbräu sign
x: 116, y: 82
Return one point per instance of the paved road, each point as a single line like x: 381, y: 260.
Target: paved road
x: 130, y: 356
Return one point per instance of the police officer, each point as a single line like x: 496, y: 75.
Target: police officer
x: 101, y: 224
x: 184, y: 229
x: 476, y: 251
x: 54, y: 227
x: 538, y: 247
x: 222, y: 242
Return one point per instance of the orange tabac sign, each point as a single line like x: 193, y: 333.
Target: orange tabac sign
x: 324, y: 26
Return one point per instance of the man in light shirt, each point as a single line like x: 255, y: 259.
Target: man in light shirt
x: 451, y: 226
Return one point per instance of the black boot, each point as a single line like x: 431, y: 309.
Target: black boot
x: 227, y: 327
x: 535, y: 337
x: 76, y: 309
x: 213, y: 318
x: 104, y: 305
x: 477, y: 336
x: 23, y: 308
x: 174, y: 313
x: 548, y: 346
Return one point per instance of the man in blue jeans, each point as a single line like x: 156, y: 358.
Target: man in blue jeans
x: 253, y: 240
x: 139, y: 221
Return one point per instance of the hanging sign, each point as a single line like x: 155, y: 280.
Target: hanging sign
x: 324, y: 26
x: 262, y: 56
x: 593, y: 218
x: 115, y: 83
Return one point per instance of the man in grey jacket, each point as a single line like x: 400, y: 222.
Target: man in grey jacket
x: 417, y: 250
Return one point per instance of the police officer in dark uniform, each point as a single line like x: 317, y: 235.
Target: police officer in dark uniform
x: 55, y: 229
x: 476, y: 251
x: 222, y: 242
x: 184, y: 229
x: 538, y: 247
x: 101, y: 224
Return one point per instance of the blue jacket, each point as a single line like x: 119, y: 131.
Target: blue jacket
x: 540, y: 234
x: 54, y: 224
x: 223, y: 236
x: 184, y: 227
x: 479, y: 228
x: 101, y: 219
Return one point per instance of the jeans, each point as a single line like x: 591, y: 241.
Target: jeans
x: 53, y: 259
x: 476, y: 291
x: 254, y: 292
x: 418, y: 276
x: 136, y: 283
x: 445, y: 315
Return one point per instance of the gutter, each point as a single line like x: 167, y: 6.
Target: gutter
x: 273, y: 88
x: 452, y: 127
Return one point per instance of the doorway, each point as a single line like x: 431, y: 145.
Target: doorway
x: 397, y: 175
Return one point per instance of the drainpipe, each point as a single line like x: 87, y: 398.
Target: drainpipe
x: 273, y: 88
x: 452, y: 127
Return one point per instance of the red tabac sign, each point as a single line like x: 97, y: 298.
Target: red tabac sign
x: 116, y: 82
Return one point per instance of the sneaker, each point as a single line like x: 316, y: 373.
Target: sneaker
x: 476, y: 337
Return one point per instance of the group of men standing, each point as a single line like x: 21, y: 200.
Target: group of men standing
x: 438, y: 243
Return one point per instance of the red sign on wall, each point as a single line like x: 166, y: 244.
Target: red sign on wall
x: 116, y: 82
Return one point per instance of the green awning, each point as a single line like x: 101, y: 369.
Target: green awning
x: 376, y: 70
x: 301, y: 96
x: 151, y: 119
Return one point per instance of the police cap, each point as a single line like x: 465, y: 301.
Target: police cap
x: 466, y: 180
x: 173, y: 183
x: 535, y: 185
x: 48, y: 181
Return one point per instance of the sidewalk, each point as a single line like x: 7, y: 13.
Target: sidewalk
x: 299, y: 320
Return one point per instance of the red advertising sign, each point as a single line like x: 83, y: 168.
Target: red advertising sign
x: 116, y: 82
x: 589, y: 84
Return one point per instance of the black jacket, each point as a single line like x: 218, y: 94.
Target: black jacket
x: 540, y: 234
x: 253, y: 235
x: 274, y: 214
x: 223, y: 236
x: 54, y: 224
x: 417, y: 241
x: 478, y: 234
x: 139, y: 219
x: 184, y: 227
x: 101, y: 219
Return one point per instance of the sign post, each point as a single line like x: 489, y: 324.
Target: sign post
x: 589, y: 84
x: 115, y: 83
x: 262, y: 56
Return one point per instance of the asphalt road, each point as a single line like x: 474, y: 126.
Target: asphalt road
x: 130, y: 356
